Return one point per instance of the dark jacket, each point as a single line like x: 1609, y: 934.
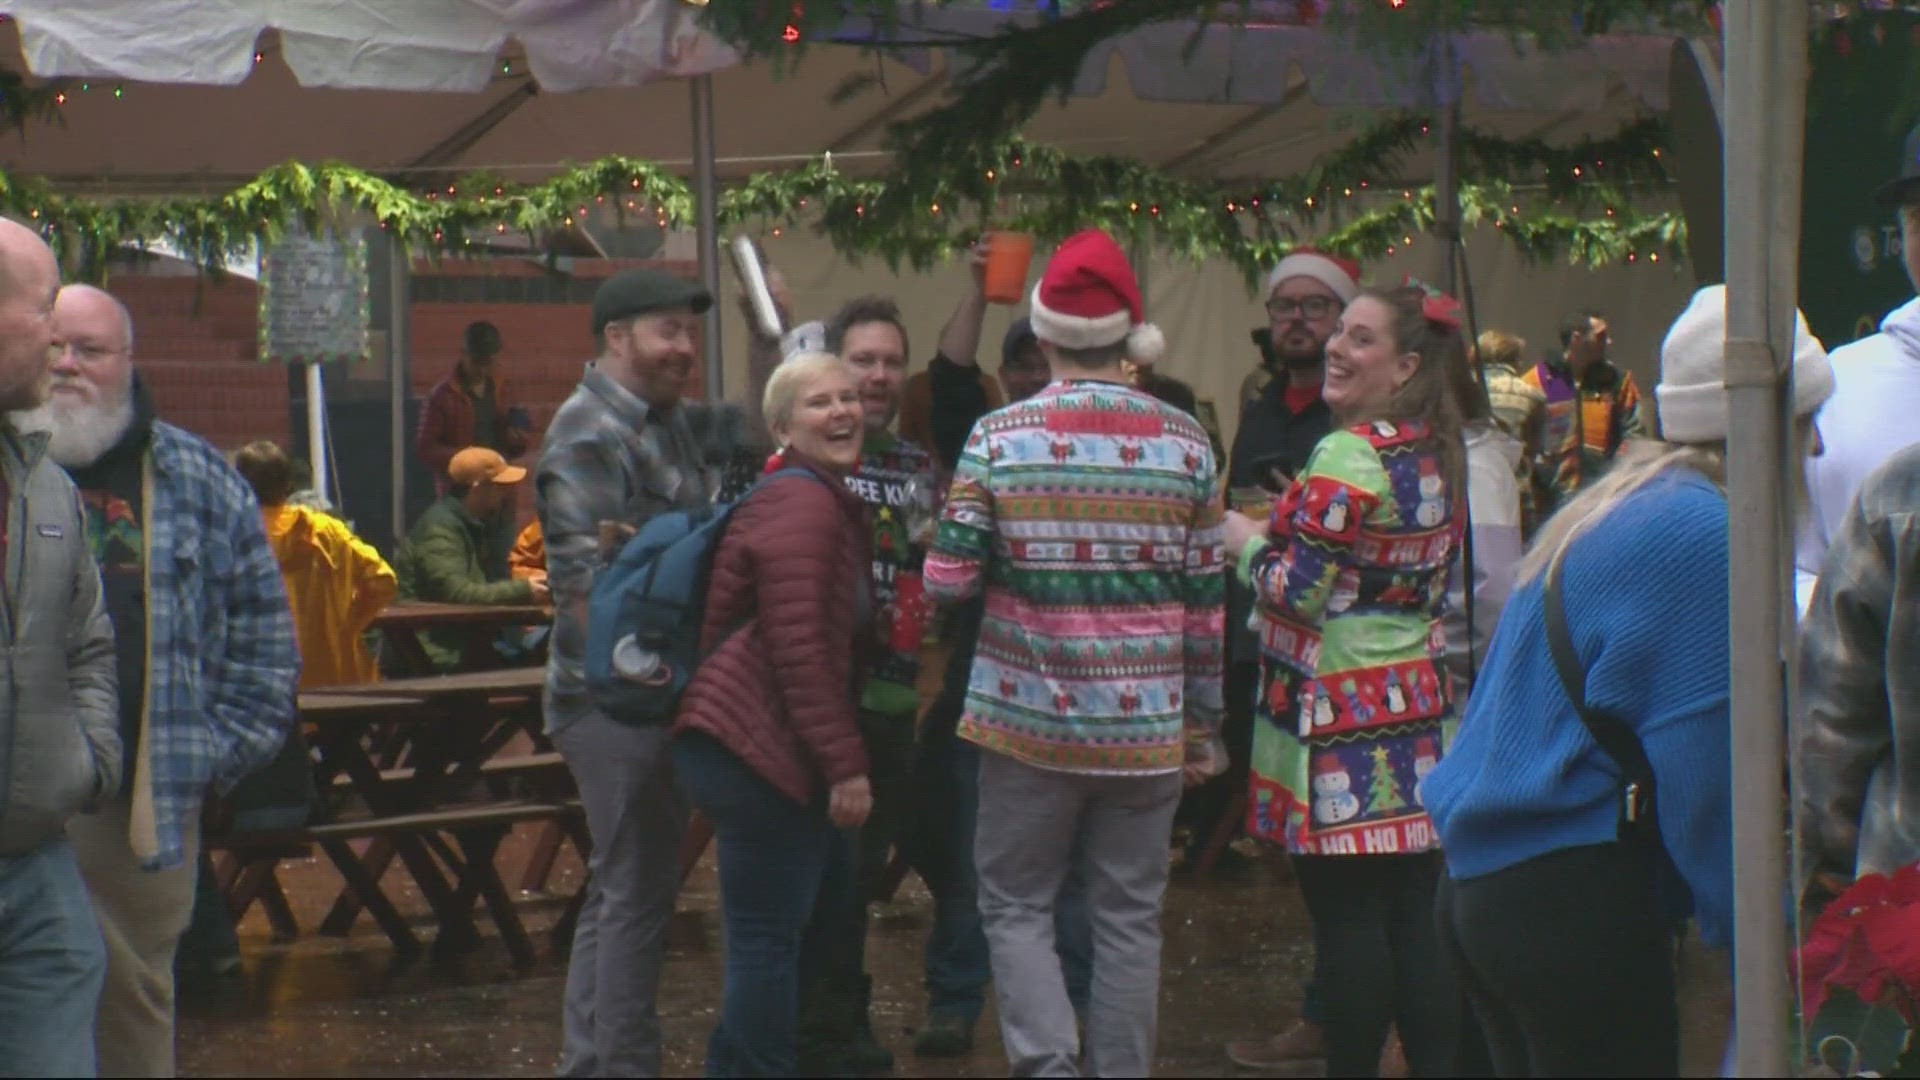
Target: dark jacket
x: 444, y: 560
x: 60, y: 748
x: 448, y: 425
x: 786, y: 627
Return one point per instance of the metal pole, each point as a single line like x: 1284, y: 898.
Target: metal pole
x: 1765, y: 131
x: 706, y: 209
x: 1446, y: 210
x: 400, y: 292
x: 317, y: 428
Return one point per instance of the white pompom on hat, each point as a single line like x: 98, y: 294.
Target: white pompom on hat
x: 1693, y: 371
x: 1089, y: 298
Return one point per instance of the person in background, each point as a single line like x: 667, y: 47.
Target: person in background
x: 1562, y: 893
x: 1083, y: 772
x: 897, y: 481
x: 767, y: 742
x: 1494, y: 460
x: 1858, y: 665
x: 1876, y: 382
x: 1283, y: 417
x: 528, y: 559
x: 1519, y: 408
x: 1180, y: 395
x: 1348, y: 582
x: 1593, y: 408
x: 469, y: 408
x: 624, y: 447
x: 207, y: 657
x: 336, y: 581
x: 64, y: 749
x: 445, y: 557
x: 939, y: 405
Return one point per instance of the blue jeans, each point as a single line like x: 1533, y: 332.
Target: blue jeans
x: 947, y: 775
x: 52, y: 964
x: 777, y: 861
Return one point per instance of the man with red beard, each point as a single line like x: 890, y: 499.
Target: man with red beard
x: 208, y: 660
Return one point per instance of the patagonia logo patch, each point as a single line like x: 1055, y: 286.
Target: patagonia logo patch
x: 52, y: 532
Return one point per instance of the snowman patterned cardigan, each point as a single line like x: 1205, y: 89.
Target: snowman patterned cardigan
x: 1349, y: 585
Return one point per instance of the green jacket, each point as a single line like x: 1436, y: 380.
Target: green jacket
x: 445, y: 561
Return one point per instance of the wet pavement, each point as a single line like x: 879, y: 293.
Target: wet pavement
x: 1237, y: 949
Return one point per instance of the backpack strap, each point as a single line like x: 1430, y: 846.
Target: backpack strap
x: 1639, y: 819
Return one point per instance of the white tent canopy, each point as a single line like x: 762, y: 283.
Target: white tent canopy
x: 521, y: 86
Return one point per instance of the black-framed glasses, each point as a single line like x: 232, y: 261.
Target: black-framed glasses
x: 1313, y: 307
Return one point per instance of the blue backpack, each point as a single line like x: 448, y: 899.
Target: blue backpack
x: 646, y: 611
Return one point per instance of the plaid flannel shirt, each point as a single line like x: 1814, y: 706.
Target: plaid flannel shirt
x: 1859, y: 720
x: 609, y: 458
x: 223, y: 661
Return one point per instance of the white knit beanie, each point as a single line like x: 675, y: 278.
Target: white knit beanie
x: 1693, y: 371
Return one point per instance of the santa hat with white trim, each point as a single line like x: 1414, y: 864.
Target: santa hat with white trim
x: 1089, y: 298
x: 1338, y: 274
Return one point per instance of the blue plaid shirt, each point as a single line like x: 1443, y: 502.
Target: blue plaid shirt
x: 223, y: 664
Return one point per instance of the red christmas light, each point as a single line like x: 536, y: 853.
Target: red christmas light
x: 791, y: 34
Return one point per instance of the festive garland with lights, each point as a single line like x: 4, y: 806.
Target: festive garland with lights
x: 1529, y: 190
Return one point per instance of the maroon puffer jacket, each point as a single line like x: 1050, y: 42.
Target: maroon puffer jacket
x: 780, y: 692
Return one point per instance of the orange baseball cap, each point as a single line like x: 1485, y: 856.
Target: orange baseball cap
x: 477, y: 464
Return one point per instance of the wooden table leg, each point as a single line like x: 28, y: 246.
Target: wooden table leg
x: 346, y: 906
x: 367, y: 887
x: 479, y: 875
x: 546, y: 850
x: 699, y: 835
x: 1223, y: 831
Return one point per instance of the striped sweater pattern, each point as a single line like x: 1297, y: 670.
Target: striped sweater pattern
x: 1090, y: 515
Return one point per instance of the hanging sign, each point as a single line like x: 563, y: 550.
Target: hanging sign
x: 314, y: 304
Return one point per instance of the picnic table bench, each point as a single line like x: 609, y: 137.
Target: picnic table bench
x: 415, y: 769
x: 403, y: 621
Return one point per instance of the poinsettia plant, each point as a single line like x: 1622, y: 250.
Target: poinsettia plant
x: 1859, y: 970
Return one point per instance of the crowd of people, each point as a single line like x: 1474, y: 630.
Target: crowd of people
x: 1447, y: 627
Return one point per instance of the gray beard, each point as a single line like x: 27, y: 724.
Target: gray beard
x: 79, y: 435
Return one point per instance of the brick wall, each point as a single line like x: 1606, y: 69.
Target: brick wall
x: 197, y: 341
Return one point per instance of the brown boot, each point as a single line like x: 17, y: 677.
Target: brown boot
x: 1297, y: 1044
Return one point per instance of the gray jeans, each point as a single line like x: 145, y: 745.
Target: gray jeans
x: 1034, y: 824
x: 637, y: 819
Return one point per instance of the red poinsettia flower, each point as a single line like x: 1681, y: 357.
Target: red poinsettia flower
x: 1868, y: 941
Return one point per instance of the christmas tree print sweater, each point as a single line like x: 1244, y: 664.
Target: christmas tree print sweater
x: 893, y: 473
x: 1350, y: 584
x: 1090, y: 515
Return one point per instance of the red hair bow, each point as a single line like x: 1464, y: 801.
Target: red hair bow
x: 1439, y: 308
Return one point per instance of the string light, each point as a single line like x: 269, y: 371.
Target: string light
x: 791, y: 34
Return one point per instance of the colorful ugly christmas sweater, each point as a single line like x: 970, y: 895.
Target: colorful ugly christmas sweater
x: 896, y: 481
x: 1355, y: 709
x: 1090, y: 515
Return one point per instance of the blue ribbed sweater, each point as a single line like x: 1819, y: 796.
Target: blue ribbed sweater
x: 1646, y: 596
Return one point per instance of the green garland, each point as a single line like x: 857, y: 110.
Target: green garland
x: 1017, y: 185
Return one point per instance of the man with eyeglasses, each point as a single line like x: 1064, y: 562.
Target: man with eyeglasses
x: 1593, y: 408
x: 205, y: 652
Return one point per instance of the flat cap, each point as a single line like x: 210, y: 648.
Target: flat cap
x: 641, y: 292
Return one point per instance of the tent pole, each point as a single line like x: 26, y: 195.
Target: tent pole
x: 1765, y: 131
x: 399, y: 292
x: 317, y: 427
x: 706, y: 207
x: 1446, y: 210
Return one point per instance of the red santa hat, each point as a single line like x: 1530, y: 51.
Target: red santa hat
x: 1340, y: 275
x: 1089, y: 298
x: 1425, y: 748
x: 1329, y: 766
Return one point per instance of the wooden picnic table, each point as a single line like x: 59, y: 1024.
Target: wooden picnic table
x: 423, y: 756
x: 403, y: 621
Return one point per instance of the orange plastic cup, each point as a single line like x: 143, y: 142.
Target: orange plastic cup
x: 1009, y: 254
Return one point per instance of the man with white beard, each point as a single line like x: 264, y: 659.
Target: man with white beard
x: 207, y: 656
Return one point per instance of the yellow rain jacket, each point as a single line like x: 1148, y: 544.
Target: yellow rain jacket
x: 337, y: 583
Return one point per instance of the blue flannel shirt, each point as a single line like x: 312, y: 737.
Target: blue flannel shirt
x: 223, y: 664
